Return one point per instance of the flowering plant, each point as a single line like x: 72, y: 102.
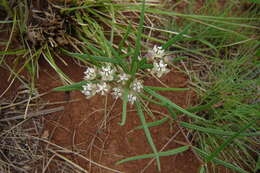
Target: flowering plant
x: 113, y: 79
x: 118, y: 73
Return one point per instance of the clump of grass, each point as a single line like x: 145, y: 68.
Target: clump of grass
x: 222, y: 62
x: 43, y: 29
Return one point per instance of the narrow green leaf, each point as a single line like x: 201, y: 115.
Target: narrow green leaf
x: 146, y: 66
x: 155, y: 123
x: 202, y: 169
x: 171, y: 104
x: 151, y: 100
x: 147, y: 132
x: 172, y: 113
x: 125, y: 100
x: 176, y: 37
x: 228, y: 141
x: 160, y: 154
x: 85, y: 57
x: 216, y: 131
x: 128, y: 31
x: 203, y: 107
x: 74, y: 86
x: 6, y: 21
x: 15, y: 52
x: 255, y: 1
x: 48, y: 57
x: 167, y: 89
x: 220, y: 162
x: 138, y: 40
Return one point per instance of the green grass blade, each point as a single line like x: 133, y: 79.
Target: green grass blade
x: 125, y: 101
x: 255, y: 1
x: 202, y: 169
x: 138, y: 40
x: 87, y: 57
x: 172, y: 113
x: 228, y: 141
x: 160, y: 154
x: 15, y: 52
x: 176, y: 37
x: 72, y: 87
x: 118, y: 57
x: 6, y: 21
x: 220, y: 162
x: 155, y: 123
x: 128, y: 31
x: 167, y: 89
x: 48, y: 57
x: 216, y: 131
x: 147, y: 132
x: 171, y: 104
x: 151, y: 100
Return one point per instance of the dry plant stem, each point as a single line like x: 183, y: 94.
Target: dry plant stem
x: 160, y: 81
x: 27, y: 106
x: 15, y: 126
x: 47, y: 164
x: 57, y: 103
x: 67, y: 160
x: 105, y: 114
x: 103, y: 125
x: 9, y: 41
x: 26, y: 100
x: 95, y: 111
x: 11, y: 83
x: 188, y: 141
x: 106, y: 138
x: 56, y: 126
x: 10, y: 164
x: 34, y: 114
x: 67, y: 151
x: 165, y: 145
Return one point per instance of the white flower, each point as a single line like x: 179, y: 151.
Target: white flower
x: 107, y: 73
x: 158, y: 51
x: 123, y: 77
x: 89, y: 90
x: 90, y: 74
x: 131, y: 98
x: 103, y: 88
x: 137, y: 85
x: 159, y: 68
x: 117, y: 92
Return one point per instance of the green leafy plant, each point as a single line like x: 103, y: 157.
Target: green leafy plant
x: 122, y: 75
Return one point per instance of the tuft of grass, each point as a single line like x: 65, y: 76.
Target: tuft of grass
x: 223, y: 65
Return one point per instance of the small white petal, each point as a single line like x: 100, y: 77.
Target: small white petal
x: 159, y: 68
x: 158, y: 51
x: 123, y: 77
x: 137, y: 85
x: 107, y: 73
x: 103, y: 88
x: 132, y: 98
x: 117, y: 92
x: 90, y: 73
x: 89, y: 90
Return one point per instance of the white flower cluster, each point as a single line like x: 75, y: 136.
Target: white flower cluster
x: 109, y: 76
x: 157, y: 56
x: 114, y: 81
